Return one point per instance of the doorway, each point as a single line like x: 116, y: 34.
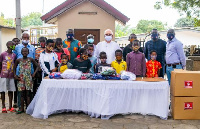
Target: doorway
x: 81, y: 35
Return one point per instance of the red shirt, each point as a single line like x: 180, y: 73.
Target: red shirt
x: 60, y: 53
x: 152, y: 68
x: 38, y: 51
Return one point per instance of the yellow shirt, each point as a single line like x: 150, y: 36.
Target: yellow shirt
x: 119, y: 66
x: 63, y: 68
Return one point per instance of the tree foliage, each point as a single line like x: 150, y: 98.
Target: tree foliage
x: 121, y: 30
x: 6, y: 21
x: 189, y: 7
x: 185, y: 22
x: 31, y: 20
x: 143, y: 26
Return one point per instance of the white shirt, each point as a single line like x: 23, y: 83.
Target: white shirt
x: 47, y: 61
x: 108, y: 48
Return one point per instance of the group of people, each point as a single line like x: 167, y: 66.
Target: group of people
x: 22, y: 67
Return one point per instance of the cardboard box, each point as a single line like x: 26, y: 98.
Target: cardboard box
x: 187, y: 108
x: 185, y: 83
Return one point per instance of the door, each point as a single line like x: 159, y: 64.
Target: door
x: 81, y: 35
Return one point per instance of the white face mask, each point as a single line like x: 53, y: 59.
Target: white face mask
x: 108, y: 38
x: 25, y: 41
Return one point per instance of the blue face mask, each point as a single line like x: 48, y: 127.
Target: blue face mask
x: 90, y: 40
x: 153, y: 57
x: 70, y: 36
x: 170, y: 36
x: 154, y: 36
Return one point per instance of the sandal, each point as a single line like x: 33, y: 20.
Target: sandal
x: 11, y: 110
x: 19, y: 112
x: 4, y: 110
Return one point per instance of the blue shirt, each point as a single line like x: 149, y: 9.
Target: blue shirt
x: 175, y: 53
x: 159, y: 46
x: 93, y: 62
x: 18, y: 53
x: 19, y: 47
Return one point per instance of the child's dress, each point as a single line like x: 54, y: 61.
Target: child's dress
x: 25, y: 82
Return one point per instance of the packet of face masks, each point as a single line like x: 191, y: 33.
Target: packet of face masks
x: 125, y: 75
x: 55, y: 75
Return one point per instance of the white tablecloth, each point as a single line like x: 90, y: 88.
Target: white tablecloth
x: 100, y: 98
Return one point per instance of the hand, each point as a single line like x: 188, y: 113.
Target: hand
x: 33, y: 75
x: 54, y: 70
x: 17, y: 78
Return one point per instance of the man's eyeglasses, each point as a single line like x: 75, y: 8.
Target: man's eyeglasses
x: 108, y: 34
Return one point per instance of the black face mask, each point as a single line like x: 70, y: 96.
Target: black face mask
x: 154, y: 36
x: 70, y: 36
x: 170, y: 36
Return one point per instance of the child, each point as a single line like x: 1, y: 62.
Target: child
x: 48, y: 59
x: 40, y: 49
x: 153, y: 66
x: 90, y: 49
x: 7, y: 59
x: 16, y: 41
x: 102, y: 57
x: 64, y: 64
x: 136, y: 61
x: 83, y: 63
x: 59, y: 49
x: 119, y: 65
x: 90, y: 41
x: 25, y: 82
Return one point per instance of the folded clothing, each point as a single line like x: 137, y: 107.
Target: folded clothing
x: 108, y: 71
x: 102, y: 77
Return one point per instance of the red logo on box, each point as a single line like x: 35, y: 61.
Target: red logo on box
x: 188, y: 105
x: 188, y: 84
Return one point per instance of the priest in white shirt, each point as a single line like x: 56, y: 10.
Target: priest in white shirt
x: 107, y: 46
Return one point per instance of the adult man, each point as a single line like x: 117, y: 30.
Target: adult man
x: 129, y: 48
x: 175, y: 57
x: 17, y: 51
x: 16, y: 41
x: 159, y: 46
x: 25, y: 43
x: 72, y: 44
x: 107, y: 46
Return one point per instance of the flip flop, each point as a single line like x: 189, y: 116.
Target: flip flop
x: 4, y: 110
x: 19, y: 112
x: 11, y: 110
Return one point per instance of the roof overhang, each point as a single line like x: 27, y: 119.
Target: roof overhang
x: 69, y: 4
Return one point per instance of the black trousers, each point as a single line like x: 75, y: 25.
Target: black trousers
x: 37, y: 82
